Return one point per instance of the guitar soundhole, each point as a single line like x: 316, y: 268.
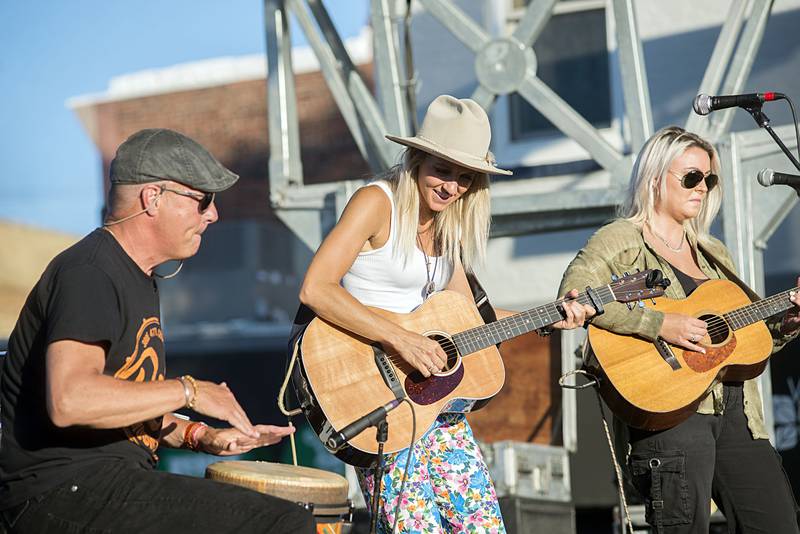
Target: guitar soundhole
x: 718, y: 329
x: 449, y: 348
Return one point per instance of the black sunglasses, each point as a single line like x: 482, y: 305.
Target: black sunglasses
x: 694, y: 177
x: 204, y: 200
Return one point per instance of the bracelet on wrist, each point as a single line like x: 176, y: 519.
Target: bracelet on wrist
x: 191, y: 435
x: 189, y: 390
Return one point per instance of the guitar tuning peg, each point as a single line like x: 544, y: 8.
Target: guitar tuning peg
x: 641, y: 304
x: 614, y: 277
x: 626, y: 273
x: 653, y: 300
x: 629, y: 305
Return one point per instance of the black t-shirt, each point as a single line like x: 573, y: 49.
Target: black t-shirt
x: 92, y: 292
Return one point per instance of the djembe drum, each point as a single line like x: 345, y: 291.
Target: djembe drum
x: 321, y: 492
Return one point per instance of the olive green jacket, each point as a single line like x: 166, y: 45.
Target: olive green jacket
x: 619, y: 247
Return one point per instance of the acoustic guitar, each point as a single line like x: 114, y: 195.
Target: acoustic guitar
x: 655, y: 385
x: 342, y: 376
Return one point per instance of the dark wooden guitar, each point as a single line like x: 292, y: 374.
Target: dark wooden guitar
x: 342, y: 376
x: 656, y: 385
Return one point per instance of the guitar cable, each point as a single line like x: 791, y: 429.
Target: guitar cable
x: 595, y: 382
x: 281, y: 400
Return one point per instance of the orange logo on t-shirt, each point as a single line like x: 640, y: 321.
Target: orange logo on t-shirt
x: 143, y: 366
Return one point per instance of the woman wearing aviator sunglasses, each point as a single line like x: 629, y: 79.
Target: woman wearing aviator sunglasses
x: 722, y: 451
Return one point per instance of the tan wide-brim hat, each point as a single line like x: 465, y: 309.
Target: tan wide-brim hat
x: 457, y: 130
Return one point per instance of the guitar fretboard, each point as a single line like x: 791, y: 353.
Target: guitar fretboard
x: 483, y: 336
x: 760, y: 310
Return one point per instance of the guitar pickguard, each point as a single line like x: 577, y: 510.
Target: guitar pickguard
x: 722, y: 344
x: 425, y: 391
x: 700, y: 363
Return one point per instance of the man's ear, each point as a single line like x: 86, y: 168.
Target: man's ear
x: 150, y: 196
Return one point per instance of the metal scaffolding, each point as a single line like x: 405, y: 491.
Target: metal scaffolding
x: 507, y: 64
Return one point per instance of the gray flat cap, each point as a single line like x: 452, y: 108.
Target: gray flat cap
x: 159, y: 154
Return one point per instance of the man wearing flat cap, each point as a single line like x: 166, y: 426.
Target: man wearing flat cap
x: 85, y: 400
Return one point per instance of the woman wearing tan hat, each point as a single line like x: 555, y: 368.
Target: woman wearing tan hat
x: 414, y: 231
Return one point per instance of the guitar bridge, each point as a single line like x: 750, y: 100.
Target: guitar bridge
x: 387, y: 372
x: 666, y: 352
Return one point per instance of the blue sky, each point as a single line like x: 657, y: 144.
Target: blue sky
x: 56, y: 50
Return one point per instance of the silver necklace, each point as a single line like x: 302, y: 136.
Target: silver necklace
x: 666, y: 243
x: 430, y: 286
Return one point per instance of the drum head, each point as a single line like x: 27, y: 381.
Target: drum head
x: 293, y: 483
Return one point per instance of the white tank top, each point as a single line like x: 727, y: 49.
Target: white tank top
x: 379, y: 279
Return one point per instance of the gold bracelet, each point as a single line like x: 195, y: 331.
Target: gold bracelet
x: 191, y: 398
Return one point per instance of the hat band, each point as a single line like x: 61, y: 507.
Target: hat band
x: 454, y: 151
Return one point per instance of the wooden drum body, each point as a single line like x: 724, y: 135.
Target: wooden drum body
x: 321, y: 492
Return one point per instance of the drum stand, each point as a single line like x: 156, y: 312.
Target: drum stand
x: 381, y: 435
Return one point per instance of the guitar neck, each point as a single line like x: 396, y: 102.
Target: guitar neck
x: 760, y: 310
x: 483, y: 336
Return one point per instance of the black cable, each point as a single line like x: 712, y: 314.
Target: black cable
x: 796, y: 129
x: 408, y: 462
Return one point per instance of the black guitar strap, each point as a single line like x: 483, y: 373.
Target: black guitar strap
x: 481, y: 299
x: 729, y: 273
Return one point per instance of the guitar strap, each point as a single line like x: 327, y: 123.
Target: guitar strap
x: 481, y: 299
x: 728, y: 273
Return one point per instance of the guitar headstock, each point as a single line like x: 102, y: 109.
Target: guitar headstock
x: 638, y: 286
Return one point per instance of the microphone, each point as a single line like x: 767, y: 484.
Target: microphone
x: 768, y: 177
x: 704, y: 104
x: 356, y: 427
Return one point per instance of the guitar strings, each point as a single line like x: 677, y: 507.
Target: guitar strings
x: 746, y: 315
x: 717, y: 324
x: 751, y: 313
x: 518, y: 321
x: 470, y: 336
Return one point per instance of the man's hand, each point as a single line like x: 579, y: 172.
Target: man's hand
x: 230, y: 441
x: 217, y: 401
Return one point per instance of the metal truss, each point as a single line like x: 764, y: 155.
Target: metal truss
x: 506, y: 64
x: 503, y: 65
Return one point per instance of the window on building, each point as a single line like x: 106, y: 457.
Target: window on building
x: 572, y: 59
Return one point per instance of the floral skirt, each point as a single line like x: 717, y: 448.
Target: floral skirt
x: 448, y: 488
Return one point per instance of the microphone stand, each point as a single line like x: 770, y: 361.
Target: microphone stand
x: 763, y: 122
x: 381, y: 435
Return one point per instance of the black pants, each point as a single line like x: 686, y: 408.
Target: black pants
x: 120, y: 497
x: 680, y: 469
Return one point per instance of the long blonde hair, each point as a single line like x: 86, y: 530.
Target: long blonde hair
x: 461, y: 230
x: 647, y: 186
